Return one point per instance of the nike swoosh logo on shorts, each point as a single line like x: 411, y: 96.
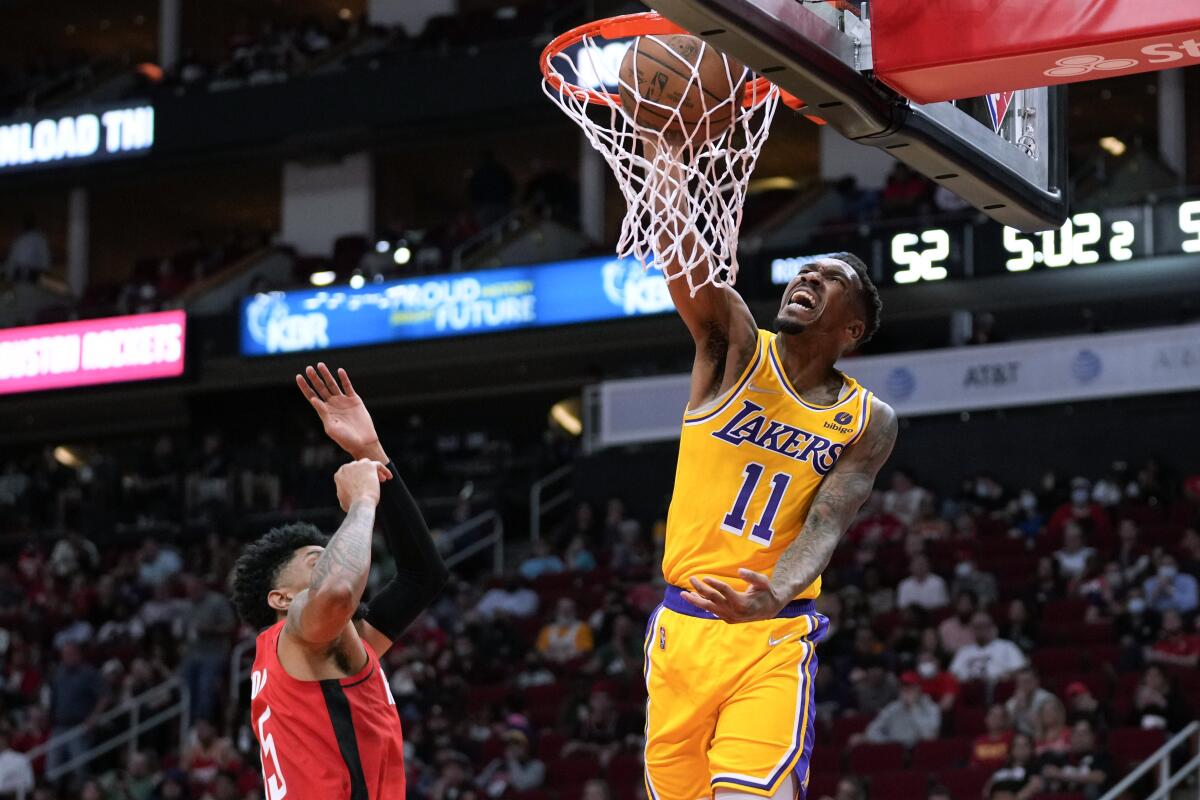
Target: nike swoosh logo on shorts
x: 772, y: 642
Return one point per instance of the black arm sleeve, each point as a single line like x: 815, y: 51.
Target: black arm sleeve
x: 420, y: 571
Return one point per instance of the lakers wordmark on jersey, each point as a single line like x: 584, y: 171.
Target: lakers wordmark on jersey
x: 749, y: 466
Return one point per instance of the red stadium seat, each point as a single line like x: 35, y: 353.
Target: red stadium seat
x: 1056, y: 660
x: 1131, y: 746
x: 1100, y: 656
x: 969, y: 722
x: 822, y: 784
x: 550, y: 744
x: 868, y: 758
x: 966, y: 783
x: 845, y: 727
x: 940, y: 754
x: 572, y: 770
x: 903, y: 785
x: 486, y: 695
x: 973, y: 694
x: 625, y: 775
x: 826, y: 757
x: 1065, y: 610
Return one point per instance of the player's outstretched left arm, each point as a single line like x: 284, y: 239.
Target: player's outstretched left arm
x: 420, y: 571
x: 839, y: 497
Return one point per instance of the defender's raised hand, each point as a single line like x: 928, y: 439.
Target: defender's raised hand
x: 342, y: 412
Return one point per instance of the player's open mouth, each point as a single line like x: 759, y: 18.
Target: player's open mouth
x: 803, y: 299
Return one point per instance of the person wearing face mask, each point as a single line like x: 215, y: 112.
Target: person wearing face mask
x: 969, y: 578
x: 1170, y: 589
x: 1027, y: 518
x: 937, y: 684
x: 1079, y: 508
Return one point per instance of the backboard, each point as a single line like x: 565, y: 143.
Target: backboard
x: 821, y: 52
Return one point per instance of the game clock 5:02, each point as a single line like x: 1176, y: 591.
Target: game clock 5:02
x: 1088, y: 237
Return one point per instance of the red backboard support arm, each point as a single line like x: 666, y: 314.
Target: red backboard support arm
x: 938, y: 50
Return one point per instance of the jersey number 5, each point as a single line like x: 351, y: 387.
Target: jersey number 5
x: 735, y: 520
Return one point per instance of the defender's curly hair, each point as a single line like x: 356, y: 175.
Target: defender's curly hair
x: 872, y: 304
x: 258, y: 568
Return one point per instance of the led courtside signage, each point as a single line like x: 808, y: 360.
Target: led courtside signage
x: 435, y: 306
x: 110, y: 350
x: 78, y: 138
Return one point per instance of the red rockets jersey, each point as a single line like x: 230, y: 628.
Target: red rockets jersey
x: 336, y: 739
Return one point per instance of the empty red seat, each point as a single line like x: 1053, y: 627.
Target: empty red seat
x: 1100, y: 656
x: 969, y: 722
x: 966, y: 783
x: 869, y: 757
x: 1065, y: 610
x: 845, y: 727
x: 1057, y: 660
x: 822, y: 784
x: 940, y: 754
x: 826, y: 758
x: 1133, y: 745
x: 550, y: 744
x: 904, y: 785
x: 486, y: 695
x: 572, y: 770
x: 625, y: 774
x: 972, y: 694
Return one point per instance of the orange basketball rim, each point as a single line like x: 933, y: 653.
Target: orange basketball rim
x: 627, y: 26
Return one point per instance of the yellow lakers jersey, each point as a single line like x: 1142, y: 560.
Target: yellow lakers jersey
x: 749, y: 467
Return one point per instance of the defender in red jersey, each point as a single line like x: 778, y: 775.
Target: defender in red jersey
x: 321, y: 706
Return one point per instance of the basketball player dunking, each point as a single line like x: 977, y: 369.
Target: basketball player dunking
x: 778, y: 452
x: 321, y: 706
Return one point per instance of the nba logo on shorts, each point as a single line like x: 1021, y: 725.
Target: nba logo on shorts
x: 662, y: 638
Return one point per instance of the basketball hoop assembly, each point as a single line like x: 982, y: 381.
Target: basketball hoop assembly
x: 684, y: 178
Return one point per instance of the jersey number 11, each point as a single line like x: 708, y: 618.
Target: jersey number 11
x: 735, y: 520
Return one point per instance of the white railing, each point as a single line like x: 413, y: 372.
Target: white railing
x: 494, y: 539
x: 239, y: 670
x: 142, y: 718
x: 540, y: 505
x: 1168, y: 777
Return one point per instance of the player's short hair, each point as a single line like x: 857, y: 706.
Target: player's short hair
x: 258, y: 568
x: 872, y: 304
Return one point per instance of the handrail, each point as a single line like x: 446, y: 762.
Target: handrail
x: 133, y: 706
x: 1161, y: 758
x: 537, y: 508
x: 239, y: 670
x: 495, y: 540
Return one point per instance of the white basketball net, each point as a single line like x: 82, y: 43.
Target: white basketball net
x: 684, y: 197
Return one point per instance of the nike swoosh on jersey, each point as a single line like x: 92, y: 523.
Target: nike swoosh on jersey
x: 752, y: 388
x: 772, y: 642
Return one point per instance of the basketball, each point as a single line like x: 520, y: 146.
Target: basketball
x: 683, y: 87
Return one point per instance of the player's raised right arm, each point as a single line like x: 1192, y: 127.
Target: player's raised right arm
x: 318, y: 615
x: 718, y: 318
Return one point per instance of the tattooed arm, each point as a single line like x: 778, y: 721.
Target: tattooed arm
x: 318, y: 614
x: 839, y: 497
